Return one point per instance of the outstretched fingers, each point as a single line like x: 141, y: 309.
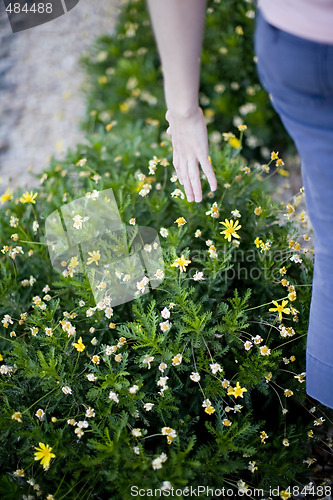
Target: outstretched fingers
x: 209, y: 172
x: 194, y: 176
x: 176, y: 164
x: 190, y: 147
x: 187, y: 181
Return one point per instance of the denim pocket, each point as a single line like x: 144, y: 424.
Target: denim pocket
x: 289, y: 66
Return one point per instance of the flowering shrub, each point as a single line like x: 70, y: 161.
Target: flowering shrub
x: 198, y: 382
x: 201, y: 380
x: 125, y: 77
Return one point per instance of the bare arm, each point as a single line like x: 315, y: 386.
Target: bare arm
x: 178, y: 27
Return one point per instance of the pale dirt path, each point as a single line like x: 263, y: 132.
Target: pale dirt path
x: 41, y: 102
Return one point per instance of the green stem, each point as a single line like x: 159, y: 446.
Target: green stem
x: 291, y: 340
x: 34, y: 242
x: 33, y: 404
x: 5, y: 338
x: 257, y: 307
x: 60, y: 484
x: 77, y: 359
x: 152, y: 435
x: 165, y: 178
x: 262, y: 305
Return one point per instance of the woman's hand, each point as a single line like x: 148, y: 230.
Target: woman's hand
x: 190, y: 147
x: 178, y: 29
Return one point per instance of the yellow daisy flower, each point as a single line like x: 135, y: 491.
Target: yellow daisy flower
x: 74, y: 262
x: 181, y: 262
x: 263, y: 436
x: 124, y: 107
x: 109, y: 126
x: 79, y: 346
x: 94, y: 257
x: 28, y: 197
x: 236, y: 391
x: 231, y: 228
x: 258, y: 242
x: 44, y: 455
x: 283, y: 172
x: 7, y: 196
x: 180, y: 221
x: 234, y: 142
x: 280, y: 308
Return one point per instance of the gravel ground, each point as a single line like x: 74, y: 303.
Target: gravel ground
x: 41, y: 101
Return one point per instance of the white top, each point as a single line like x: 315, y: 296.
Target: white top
x: 311, y: 19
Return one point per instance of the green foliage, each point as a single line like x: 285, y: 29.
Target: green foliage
x: 210, y: 321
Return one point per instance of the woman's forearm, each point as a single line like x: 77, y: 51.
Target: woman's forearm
x: 178, y: 27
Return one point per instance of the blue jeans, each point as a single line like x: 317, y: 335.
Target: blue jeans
x: 298, y: 73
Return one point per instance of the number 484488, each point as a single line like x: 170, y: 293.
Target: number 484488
x: 309, y: 490
x: 36, y: 8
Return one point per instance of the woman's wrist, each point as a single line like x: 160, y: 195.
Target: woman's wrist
x: 183, y: 112
x: 181, y: 102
